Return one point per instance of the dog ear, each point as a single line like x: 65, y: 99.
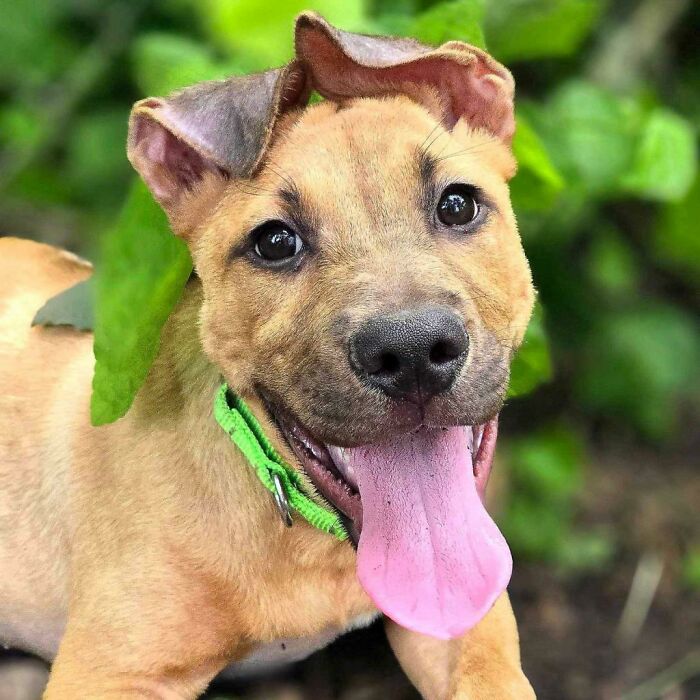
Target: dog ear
x: 454, y: 81
x: 220, y: 127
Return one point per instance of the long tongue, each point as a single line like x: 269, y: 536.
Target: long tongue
x: 429, y: 555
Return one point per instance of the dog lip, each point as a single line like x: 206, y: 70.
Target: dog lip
x: 323, y: 463
x: 484, y: 447
x: 316, y: 462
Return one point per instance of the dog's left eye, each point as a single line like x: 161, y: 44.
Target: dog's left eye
x: 275, y: 241
x: 457, y: 206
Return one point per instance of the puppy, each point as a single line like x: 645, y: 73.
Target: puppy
x: 361, y: 285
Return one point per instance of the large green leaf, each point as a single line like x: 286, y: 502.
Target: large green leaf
x: 665, y: 161
x: 532, y: 364
x: 526, y: 29
x: 143, y: 271
x: 537, y: 182
x: 590, y: 133
x: 639, y: 364
x: 447, y: 21
x: 165, y: 62
x: 262, y: 35
x: 612, y: 266
x: 606, y: 145
x: 676, y: 242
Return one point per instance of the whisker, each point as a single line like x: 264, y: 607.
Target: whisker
x: 474, y: 147
x: 435, y: 138
x: 250, y: 189
x: 277, y: 170
x: 423, y: 147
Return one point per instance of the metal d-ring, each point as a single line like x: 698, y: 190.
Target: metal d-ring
x: 281, y: 501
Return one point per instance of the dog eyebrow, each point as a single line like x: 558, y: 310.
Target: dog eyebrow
x: 292, y: 198
x: 427, y: 167
x: 298, y: 211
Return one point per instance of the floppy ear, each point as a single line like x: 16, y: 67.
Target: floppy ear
x: 220, y: 127
x: 454, y: 81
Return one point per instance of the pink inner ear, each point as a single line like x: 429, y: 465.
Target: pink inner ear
x: 168, y: 164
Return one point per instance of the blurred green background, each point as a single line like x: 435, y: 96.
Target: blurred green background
x: 599, y: 488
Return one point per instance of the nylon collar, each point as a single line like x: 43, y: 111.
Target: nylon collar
x: 278, y: 477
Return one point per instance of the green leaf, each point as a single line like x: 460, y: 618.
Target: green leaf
x: 675, y: 240
x: 537, y: 182
x: 548, y: 464
x: 585, y: 551
x: 546, y: 472
x: 263, y: 36
x: 691, y: 568
x: 606, y: 145
x: 532, y: 364
x: 639, y: 365
x: 612, y: 265
x: 166, y: 62
x: 72, y: 307
x: 519, y: 30
x: 95, y: 165
x: 665, y: 161
x: 143, y: 271
x: 447, y: 21
x: 590, y: 134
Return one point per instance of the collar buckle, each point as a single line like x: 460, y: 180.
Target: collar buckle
x: 281, y: 501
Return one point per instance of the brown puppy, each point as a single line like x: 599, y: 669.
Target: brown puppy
x: 145, y: 556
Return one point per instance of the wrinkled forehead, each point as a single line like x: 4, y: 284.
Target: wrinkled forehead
x: 353, y: 146
x: 375, y: 156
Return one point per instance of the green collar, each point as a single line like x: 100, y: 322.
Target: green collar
x: 278, y: 477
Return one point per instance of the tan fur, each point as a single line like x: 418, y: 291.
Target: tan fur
x: 151, y: 539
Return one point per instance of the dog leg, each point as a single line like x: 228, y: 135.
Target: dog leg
x: 482, y: 665
x: 81, y: 670
x: 138, y: 637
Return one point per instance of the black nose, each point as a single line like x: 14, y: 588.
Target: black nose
x: 411, y: 354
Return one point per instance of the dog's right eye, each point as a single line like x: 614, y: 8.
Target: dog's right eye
x: 458, y: 206
x: 275, y: 241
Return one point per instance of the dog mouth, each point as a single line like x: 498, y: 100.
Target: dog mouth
x: 428, y: 553
x: 330, y: 467
x: 332, y: 476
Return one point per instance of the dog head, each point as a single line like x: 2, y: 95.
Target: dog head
x: 360, y: 261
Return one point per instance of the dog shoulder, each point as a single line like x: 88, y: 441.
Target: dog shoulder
x: 30, y: 274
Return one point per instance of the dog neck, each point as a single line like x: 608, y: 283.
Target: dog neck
x: 182, y: 382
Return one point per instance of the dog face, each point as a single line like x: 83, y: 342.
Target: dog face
x: 345, y: 283
x: 359, y: 258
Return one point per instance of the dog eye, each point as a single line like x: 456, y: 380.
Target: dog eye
x: 275, y: 241
x: 457, y: 206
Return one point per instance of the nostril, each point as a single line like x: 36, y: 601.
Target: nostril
x: 388, y: 363
x: 442, y: 352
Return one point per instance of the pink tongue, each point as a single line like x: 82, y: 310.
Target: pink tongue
x: 429, y: 555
